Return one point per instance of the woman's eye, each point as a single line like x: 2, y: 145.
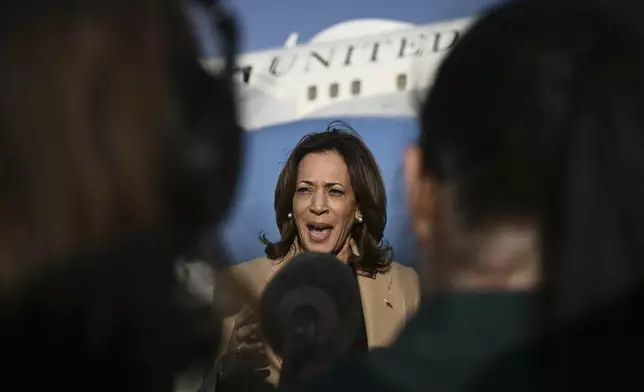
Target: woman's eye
x: 336, y: 192
x: 303, y: 190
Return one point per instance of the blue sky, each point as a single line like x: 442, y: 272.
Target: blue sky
x: 267, y: 23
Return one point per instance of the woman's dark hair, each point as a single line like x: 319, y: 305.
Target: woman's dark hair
x: 537, y: 115
x: 366, y: 180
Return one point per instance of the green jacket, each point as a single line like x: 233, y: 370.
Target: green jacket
x: 458, y: 342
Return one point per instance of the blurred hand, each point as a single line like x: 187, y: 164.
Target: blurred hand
x: 246, y: 357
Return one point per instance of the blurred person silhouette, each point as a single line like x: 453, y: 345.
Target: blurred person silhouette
x: 329, y: 198
x: 526, y: 196
x: 117, y: 152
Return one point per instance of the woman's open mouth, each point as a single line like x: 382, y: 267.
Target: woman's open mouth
x: 319, y: 232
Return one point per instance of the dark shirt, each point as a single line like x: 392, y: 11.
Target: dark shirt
x: 360, y: 344
x: 449, y: 346
x: 495, y: 342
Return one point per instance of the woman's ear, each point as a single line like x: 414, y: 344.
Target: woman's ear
x: 420, y: 192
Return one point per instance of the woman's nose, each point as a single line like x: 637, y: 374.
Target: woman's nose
x: 319, y: 204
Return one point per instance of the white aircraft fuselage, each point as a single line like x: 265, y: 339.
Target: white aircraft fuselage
x: 366, y: 67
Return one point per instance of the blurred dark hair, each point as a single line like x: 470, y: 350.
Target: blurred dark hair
x: 536, y: 115
x: 99, y: 103
x: 366, y: 180
x: 116, y: 150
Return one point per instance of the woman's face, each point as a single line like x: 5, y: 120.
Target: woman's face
x: 324, y: 205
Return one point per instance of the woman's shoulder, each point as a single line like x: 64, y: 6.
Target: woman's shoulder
x: 250, y: 274
x: 253, y: 266
x: 404, y: 276
x: 401, y: 270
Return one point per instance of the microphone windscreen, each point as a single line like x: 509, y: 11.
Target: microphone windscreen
x: 317, y: 291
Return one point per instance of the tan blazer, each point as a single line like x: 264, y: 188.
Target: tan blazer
x: 388, y: 300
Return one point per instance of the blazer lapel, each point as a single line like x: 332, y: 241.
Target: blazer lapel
x: 383, y: 308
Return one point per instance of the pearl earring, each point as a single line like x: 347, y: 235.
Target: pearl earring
x: 359, y: 219
x: 290, y: 215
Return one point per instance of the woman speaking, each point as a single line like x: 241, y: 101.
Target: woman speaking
x: 329, y: 198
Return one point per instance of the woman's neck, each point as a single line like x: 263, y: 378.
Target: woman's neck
x: 349, y: 248
x: 344, y: 255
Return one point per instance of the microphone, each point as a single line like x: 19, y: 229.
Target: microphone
x: 310, y: 314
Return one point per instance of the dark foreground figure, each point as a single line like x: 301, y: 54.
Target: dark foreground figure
x: 118, y: 153
x: 525, y: 193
